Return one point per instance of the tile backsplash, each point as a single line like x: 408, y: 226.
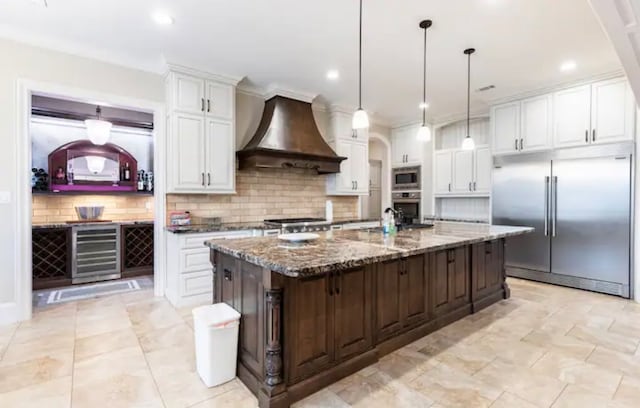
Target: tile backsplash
x: 267, y: 193
x: 49, y: 209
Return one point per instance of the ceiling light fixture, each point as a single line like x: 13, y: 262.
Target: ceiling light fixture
x: 568, y: 66
x: 360, y: 117
x: 424, y: 133
x: 333, y: 74
x: 162, y: 18
x: 98, y: 130
x: 468, y: 143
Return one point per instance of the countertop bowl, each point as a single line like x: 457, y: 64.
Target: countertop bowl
x: 89, y: 212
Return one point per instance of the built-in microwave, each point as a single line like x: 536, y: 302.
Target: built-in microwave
x: 406, y: 178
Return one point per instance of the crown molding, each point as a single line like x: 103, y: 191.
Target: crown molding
x: 275, y: 89
x: 563, y: 85
x: 227, y: 79
x: 250, y: 90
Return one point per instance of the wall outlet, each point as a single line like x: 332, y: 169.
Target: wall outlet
x: 5, y: 197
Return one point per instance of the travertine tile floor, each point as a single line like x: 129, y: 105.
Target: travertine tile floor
x: 545, y: 347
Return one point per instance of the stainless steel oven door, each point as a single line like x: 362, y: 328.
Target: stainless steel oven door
x: 406, y: 178
x: 409, y: 205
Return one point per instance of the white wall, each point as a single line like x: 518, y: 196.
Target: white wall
x: 22, y: 61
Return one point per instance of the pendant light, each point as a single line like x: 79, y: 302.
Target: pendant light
x: 468, y: 143
x: 424, y: 133
x: 98, y: 130
x: 360, y: 117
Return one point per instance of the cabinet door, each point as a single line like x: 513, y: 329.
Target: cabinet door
x: 188, y: 94
x: 482, y: 170
x: 226, y: 273
x: 536, y: 123
x: 344, y: 179
x: 443, y: 169
x: 459, y: 277
x: 389, y: 298
x: 462, y: 171
x: 353, y: 312
x: 505, y: 127
x: 440, y: 286
x: 572, y: 116
x: 360, y: 167
x: 220, y: 156
x: 187, y: 153
x: 414, y: 148
x: 220, y: 100
x: 486, y: 268
x: 312, y: 332
x: 612, y: 111
x: 398, y: 157
x: 415, y: 293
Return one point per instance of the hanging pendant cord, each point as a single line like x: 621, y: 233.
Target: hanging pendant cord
x: 424, y: 81
x: 468, y: 93
x: 360, y: 62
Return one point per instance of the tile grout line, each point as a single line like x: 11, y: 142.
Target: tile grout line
x: 13, y: 336
x: 618, y: 387
x: 495, y: 400
x: 559, y: 395
x: 73, y: 365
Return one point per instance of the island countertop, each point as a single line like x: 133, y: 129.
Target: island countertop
x: 339, y: 250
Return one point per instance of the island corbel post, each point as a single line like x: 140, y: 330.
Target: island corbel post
x: 304, y: 329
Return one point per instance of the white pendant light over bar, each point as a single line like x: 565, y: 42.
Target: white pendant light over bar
x: 468, y: 143
x: 360, y: 117
x: 98, y: 130
x: 424, y: 133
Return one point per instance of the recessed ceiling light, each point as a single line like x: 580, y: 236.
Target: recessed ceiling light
x: 333, y: 74
x: 42, y: 3
x: 423, y: 105
x: 162, y: 18
x: 568, y: 66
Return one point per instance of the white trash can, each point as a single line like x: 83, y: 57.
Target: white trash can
x: 216, y: 334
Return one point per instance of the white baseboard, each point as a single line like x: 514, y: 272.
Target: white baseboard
x: 9, y: 313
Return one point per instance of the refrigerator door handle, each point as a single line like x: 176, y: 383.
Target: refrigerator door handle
x: 546, y: 205
x: 554, y: 215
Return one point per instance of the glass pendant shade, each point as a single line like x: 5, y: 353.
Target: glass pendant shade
x: 468, y: 143
x: 424, y: 134
x: 98, y: 131
x: 95, y: 164
x: 360, y: 120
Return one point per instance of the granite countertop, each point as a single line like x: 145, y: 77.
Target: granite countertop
x: 455, y: 219
x: 200, y: 228
x: 66, y: 225
x: 338, y: 250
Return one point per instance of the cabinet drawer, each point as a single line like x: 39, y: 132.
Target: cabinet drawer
x: 197, y: 240
x: 196, y: 283
x: 194, y: 260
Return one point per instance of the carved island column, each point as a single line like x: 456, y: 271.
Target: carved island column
x: 273, y: 350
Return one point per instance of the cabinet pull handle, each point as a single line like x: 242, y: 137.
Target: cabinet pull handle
x: 203, y: 179
x: 474, y: 186
x: 520, y: 144
x: 202, y: 104
x: 356, y: 184
x: 470, y: 186
x: 516, y: 144
x: 227, y: 275
x: 449, y: 186
x: 593, y: 135
x: 208, y: 105
x: 208, y: 179
x: 586, y: 136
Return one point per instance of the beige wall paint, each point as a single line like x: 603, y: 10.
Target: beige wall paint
x: 22, y: 61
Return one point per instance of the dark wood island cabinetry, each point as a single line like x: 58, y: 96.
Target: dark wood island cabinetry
x: 350, y: 300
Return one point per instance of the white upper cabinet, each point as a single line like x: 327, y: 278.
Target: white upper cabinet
x: 603, y: 112
x: 201, y: 135
x: 188, y: 93
x: 443, y: 168
x: 612, y: 111
x: 406, y: 149
x: 462, y: 171
x: 571, y: 116
x: 505, y: 127
x: 220, y: 100
x: 482, y: 170
x: 220, y: 148
x: 535, y: 123
x: 353, y: 178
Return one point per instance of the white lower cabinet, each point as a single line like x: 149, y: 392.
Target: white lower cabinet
x: 189, y: 270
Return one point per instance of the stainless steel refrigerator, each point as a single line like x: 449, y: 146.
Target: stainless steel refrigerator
x: 579, y: 201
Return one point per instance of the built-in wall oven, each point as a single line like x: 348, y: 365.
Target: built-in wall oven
x: 409, y: 205
x: 406, y: 178
x: 95, y: 253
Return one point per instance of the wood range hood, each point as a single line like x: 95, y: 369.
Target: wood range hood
x: 288, y: 137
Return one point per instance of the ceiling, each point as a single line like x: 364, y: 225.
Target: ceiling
x: 520, y: 44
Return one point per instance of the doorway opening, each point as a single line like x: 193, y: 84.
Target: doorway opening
x: 379, y: 198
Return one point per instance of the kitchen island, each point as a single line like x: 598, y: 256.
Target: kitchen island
x: 317, y: 312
